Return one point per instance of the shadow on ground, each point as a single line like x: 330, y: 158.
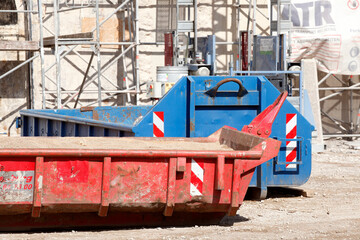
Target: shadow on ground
x: 276, y: 192
x: 230, y: 221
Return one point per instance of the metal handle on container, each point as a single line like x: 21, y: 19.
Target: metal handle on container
x: 242, y: 91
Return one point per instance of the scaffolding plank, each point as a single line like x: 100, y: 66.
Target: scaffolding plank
x: 85, y: 36
x: 19, y: 46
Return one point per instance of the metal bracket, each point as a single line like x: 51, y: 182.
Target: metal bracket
x: 300, y: 140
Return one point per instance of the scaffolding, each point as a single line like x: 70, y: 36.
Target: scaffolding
x: 59, y: 47
x: 55, y: 50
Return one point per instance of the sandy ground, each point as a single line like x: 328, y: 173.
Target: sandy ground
x: 109, y: 143
x: 330, y: 211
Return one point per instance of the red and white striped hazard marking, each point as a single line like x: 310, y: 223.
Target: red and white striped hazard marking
x: 291, y: 133
x: 158, y: 124
x: 197, y: 178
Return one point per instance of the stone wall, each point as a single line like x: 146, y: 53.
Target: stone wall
x: 14, y: 89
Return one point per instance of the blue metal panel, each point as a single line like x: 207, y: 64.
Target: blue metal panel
x: 69, y: 129
x: 174, y: 106
x: 69, y: 122
x: 226, y: 108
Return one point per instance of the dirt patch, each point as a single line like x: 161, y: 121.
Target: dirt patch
x: 109, y: 143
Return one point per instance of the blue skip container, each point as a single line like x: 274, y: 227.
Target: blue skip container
x: 194, y: 107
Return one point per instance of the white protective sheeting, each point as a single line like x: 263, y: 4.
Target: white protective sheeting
x: 327, y: 30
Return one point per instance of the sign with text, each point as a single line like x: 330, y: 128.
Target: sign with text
x: 327, y: 30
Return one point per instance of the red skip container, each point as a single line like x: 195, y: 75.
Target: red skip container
x: 81, y: 182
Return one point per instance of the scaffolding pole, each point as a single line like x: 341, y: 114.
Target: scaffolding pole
x: 95, y: 44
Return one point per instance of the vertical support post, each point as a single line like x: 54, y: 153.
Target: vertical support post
x: 351, y: 106
x: 137, y: 40
x: 98, y: 52
x: 261, y: 177
x: 170, y: 198
x: 231, y: 65
x: 277, y: 53
x: 254, y: 16
x: 176, y: 36
x: 106, y: 177
x: 301, y: 88
x: 29, y: 5
x: 239, y: 36
x: 38, y: 184
x: 42, y: 53
x: 249, y: 38
x: 125, y: 83
x: 279, y: 17
x: 285, y: 68
x: 262, y: 181
x: 195, y: 31
x: 191, y: 106
x: 132, y: 37
x: 130, y: 11
x: 235, y: 195
x: 245, y: 179
x: 220, y: 164
x: 169, y: 49
x: 57, y: 54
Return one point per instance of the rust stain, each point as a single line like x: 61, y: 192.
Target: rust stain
x: 95, y: 115
x: 128, y: 115
x: 107, y: 116
x: 124, y: 172
x: 86, y: 109
x: 196, y: 202
x: 192, y: 126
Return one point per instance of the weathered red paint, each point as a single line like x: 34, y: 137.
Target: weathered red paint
x: 38, y: 185
x: 169, y: 47
x: 105, y: 201
x: 137, y: 184
x: 125, y: 153
x: 80, y: 181
x: 261, y: 124
x: 220, y: 173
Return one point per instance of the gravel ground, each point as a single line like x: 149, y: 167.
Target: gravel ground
x: 328, y: 208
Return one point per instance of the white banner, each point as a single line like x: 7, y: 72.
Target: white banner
x: 327, y: 30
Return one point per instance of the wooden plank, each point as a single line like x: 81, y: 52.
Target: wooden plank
x: 110, y: 31
x: 86, y: 36
x: 19, y: 46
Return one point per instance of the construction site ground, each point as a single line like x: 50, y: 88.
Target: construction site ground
x: 328, y: 208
